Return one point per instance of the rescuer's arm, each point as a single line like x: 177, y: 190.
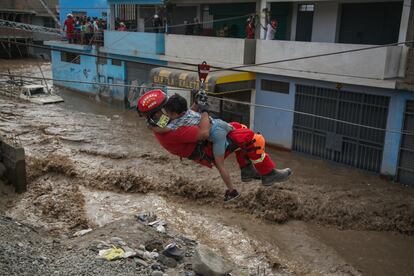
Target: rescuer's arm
x: 159, y: 129
x: 204, y: 127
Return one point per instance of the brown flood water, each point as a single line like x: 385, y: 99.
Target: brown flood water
x: 329, y: 210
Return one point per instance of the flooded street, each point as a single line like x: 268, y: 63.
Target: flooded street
x: 90, y: 164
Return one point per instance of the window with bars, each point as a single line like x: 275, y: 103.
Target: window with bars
x: 116, y: 62
x: 70, y: 57
x: 275, y: 86
x: 102, y: 60
x: 306, y: 7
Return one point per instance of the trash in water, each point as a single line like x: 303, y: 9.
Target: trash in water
x: 146, y: 217
x: 173, y: 251
x: 112, y: 254
x: 82, y: 232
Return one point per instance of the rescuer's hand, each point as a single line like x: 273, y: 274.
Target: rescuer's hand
x: 203, y: 107
x: 201, y: 97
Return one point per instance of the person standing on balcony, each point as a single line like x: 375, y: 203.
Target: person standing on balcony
x: 88, y: 31
x: 122, y: 27
x: 69, y: 27
x: 198, y: 27
x: 157, y: 23
x: 189, y: 28
x: 95, y: 27
x: 250, y: 29
x: 78, y: 29
x: 271, y: 29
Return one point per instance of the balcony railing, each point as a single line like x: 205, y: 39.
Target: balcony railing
x: 137, y: 44
x: 215, y: 50
x: 378, y: 63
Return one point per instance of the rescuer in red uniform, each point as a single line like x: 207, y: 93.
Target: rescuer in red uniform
x: 190, y: 142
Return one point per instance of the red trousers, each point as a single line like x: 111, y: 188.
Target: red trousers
x: 246, y: 152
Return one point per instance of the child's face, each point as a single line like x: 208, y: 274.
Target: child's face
x: 172, y: 115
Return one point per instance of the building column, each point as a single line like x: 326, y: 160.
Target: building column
x: 293, y: 22
x: 111, y: 15
x: 263, y: 6
x: 405, y: 19
x: 406, y: 33
x: 252, y: 108
x: 392, y: 140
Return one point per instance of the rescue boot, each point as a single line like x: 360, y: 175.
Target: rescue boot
x: 276, y: 176
x: 249, y: 173
x: 231, y: 195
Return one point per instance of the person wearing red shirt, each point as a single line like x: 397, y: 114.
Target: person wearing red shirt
x: 190, y: 142
x: 122, y: 27
x: 250, y: 29
x: 69, y: 27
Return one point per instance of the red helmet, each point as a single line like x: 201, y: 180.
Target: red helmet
x: 151, y: 102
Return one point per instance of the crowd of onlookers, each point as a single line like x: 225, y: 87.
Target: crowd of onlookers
x: 83, y: 29
x: 87, y: 30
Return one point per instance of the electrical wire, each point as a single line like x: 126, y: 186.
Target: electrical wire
x: 314, y: 56
x: 95, y: 55
x: 228, y: 100
x: 234, y: 68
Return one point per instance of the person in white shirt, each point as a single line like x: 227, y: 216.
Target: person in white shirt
x: 271, y: 30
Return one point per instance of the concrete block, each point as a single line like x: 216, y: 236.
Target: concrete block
x: 13, y: 158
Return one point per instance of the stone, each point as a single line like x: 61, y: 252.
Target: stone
x: 140, y: 253
x: 167, y: 261
x: 208, y: 263
x: 141, y: 262
x: 157, y: 273
x: 118, y: 241
x: 150, y: 255
x: 156, y: 266
x: 82, y: 232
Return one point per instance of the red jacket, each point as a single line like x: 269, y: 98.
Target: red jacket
x: 70, y: 27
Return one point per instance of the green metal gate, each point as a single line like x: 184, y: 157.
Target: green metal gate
x: 340, y: 142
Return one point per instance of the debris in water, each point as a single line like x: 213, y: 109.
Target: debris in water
x: 112, y: 254
x: 82, y: 232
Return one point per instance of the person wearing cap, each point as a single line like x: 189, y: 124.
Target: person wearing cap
x: 157, y: 23
x: 122, y: 27
x: 69, y: 27
x: 250, y: 28
x: 190, y: 141
x: 271, y: 29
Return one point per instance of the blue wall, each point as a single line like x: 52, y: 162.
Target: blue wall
x: 276, y: 126
x: 395, y: 121
x: 93, y: 8
x: 134, y: 44
x: 109, y: 73
x: 85, y: 71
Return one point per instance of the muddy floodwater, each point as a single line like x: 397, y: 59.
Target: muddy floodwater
x: 90, y: 164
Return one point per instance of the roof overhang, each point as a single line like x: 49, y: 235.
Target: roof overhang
x: 216, y: 82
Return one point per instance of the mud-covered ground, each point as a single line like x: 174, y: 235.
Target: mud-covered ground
x: 116, y: 152
x: 83, y: 145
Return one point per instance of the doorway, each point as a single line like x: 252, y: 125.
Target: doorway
x: 304, y: 22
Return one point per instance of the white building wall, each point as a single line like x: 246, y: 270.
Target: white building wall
x: 325, y: 20
x: 379, y: 63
